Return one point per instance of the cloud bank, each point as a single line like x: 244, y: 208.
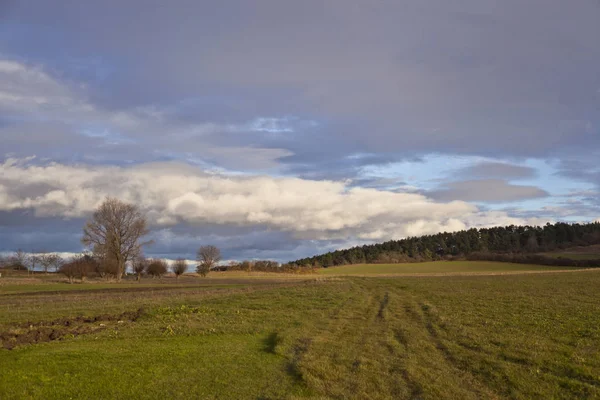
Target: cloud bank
x: 173, y: 193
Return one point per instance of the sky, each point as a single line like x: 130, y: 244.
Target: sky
x: 279, y: 129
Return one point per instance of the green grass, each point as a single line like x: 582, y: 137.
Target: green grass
x: 577, y: 253
x: 574, y: 256
x: 434, y: 267
x: 444, y: 337
x: 87, y: 287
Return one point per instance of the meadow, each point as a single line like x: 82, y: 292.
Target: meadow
x: 433, y: 267
x: 517, y: 335
x: 577, y: 253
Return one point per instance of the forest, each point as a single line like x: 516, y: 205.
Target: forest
x: 510, y: 243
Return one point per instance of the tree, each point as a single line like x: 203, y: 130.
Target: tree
x: 34, y: 259
x: 208, y: 256
x: 106, y: 267
x: 48, y: 260
x: 19, y: 260
x: 57, y: 262
x: 157, y: 267
x: 115, y: 231
x: 246, y: 266
x: 139, y: 266
x: 179, y: 267
x: 69, y: 270
x: 83, y: 265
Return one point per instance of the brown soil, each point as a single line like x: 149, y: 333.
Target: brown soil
x: 30, y: 333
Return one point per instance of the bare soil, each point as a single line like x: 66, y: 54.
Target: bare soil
x: 37, y: 332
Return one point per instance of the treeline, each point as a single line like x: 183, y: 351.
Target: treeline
x: 508, y: 240
x: 87, y: 266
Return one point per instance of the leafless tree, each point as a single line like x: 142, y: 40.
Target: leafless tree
x: 19, y: 260
x: 114, y: 232
x: 34, y: 259
x: 246, y: 266
x: 48, y: 260
x: 107, y: 267
x: 57, y: 261
x: 179, y: 267
x: 208, y: 256
x: 69, y: 270
x: 139, y: 265
x: 157, y: 267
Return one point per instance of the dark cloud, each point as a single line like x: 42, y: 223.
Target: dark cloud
x: 467, y: 77
x: 496, y: 170
x: 22, y: 230
x: 487, y: 190
x: 584, y: 168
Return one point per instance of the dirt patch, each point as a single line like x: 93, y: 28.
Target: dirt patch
x: 38, y: 332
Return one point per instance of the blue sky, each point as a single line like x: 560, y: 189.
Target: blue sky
x: 280, y: 129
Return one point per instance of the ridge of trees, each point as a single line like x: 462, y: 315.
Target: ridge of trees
x: 509, y: 243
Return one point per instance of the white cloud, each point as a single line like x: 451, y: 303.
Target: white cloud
x: 171, y: 193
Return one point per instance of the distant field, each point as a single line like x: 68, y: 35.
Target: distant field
x: 435, y: 267
x: 577, y: 253
x: 56, y: 282
x: 445, y: 337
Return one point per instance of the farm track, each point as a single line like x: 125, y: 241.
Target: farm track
x: 380, y: 329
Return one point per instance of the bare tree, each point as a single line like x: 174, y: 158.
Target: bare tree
x: 19, y: 260
x: 69, y: 270
x: 107, y: 267
x: 208, y: 256
x: 34, y: 259
x: 48, y: 260
x: 114, y: 232
x: 139, y: 266
x: 157, y: 267
x: 84, y: 265
x: 179, y: 267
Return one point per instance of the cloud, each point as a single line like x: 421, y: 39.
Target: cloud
x: 391, y: 77
x: 333, y: 98
x: 56, y: 118
x: 496, y: 170
x: 487, y: 190
x: 174, y: 193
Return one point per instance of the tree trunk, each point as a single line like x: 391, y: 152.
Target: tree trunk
x: 120, y: 270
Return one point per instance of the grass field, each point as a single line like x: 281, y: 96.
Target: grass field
x: 577, y: 253
x: 444, y: 337
x: 434, y: 267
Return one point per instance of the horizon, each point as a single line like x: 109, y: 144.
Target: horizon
x: 283, y: 130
